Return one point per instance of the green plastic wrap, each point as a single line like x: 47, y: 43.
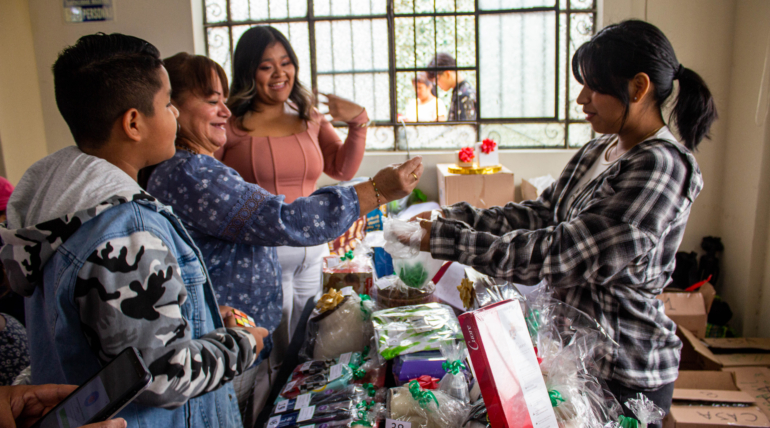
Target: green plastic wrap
x: 409, y: 329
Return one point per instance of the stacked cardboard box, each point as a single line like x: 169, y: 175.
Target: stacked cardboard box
x: 689, y: 309
x: 712, y: 399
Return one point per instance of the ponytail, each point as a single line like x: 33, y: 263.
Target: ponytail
x: 694, y: 111
x: 616, y: 54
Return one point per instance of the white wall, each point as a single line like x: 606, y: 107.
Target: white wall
x: 167, y: 24
x: 744, y: 218
x: 22, y: 130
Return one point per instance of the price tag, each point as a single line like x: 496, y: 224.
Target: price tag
x: 282, y: 406
x: 393, y: 423
x: 302, y: 401
x: 306, y: 413
x: 335, y: 371
x: 345, y: 358
x: 289, y: 385
x: 273, y: 422
x: 346, y: 291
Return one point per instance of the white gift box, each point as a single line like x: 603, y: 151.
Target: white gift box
x: 486, y: 159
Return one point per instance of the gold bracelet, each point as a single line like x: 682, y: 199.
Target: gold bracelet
x: 376, y: 191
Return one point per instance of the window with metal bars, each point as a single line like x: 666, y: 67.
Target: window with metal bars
x: 515, y: 54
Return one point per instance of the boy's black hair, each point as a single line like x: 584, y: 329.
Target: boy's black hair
x: 443, y: 62
x: 619, y: 52
x: 99, y: 78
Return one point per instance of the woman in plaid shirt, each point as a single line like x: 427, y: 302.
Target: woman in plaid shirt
x: 604, y: 235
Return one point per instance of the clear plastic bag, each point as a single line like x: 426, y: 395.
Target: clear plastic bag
x: 344, y: 328
x: 402, y: 238
x: 454, y: 381
x: 353, y: 269
x: 645, y: 410
x: 488, y: 290
x: 391, y: 292
x: 357, y: 260
x: 426, y: 409
x: 409, y: 329
x: 569, y: 345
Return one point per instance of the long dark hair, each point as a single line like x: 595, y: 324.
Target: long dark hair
x: 619, y: 52
x: 246, y: 60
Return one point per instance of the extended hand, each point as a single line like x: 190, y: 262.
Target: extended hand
x: 340, y: 109
x: 259, y: 333
x: 398, y: 180
x: 23, y: 405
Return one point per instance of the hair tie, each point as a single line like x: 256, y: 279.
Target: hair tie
x: 679, y: 72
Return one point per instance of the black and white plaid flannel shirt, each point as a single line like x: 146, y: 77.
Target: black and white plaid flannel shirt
x: 609, y: 255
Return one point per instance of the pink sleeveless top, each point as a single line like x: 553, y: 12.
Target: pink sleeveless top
x: 291, y: 165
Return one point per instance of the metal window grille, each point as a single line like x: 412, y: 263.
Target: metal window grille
x: 515, y: 53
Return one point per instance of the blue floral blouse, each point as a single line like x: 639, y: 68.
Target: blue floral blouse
x: 237, y: 226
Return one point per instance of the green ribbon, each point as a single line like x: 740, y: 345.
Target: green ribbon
x: 364, y: 309
x: 422, y: 397
x: 628, y: 422
x: 367, y: 405
x: 358, y: 372
x: 533, y: 322
x: 453, y: 367
x: 347, y: 256
x: 555, y: 397
x: 370, y: 389
x: 363, y: 413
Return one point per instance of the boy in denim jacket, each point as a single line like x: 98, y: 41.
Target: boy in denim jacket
x: 103, y: 264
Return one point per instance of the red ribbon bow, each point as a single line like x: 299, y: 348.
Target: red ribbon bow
x: 427, y: 382
x: 466, y: 154
x: 488, y: 146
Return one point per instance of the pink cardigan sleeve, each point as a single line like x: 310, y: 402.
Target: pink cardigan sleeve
x: 341, y: 160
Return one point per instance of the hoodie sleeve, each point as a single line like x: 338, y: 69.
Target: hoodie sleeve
x: 130, y: 292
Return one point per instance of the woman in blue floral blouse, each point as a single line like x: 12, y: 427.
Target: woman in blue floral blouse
x: 236, y: 224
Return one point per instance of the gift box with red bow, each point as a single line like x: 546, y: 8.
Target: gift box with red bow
x: 486, y: 153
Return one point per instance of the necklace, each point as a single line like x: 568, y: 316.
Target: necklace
x: 608, y: 155
x: 187, y: 149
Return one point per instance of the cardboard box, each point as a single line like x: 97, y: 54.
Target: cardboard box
x: 716, y: 354
x: 506, y: 367
x: 712, y: 399
x: 689, y: 309
x: 481, y: 191
x: 754, y: 381
x: 528, y: 191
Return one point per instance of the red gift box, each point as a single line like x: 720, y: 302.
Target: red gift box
x: 506, y: 367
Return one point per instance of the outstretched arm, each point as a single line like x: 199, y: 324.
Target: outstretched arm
x: 130, y: 292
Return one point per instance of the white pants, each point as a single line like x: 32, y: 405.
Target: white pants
x: 301, y: 279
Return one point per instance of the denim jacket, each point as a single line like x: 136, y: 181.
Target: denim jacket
x: 126, y: 273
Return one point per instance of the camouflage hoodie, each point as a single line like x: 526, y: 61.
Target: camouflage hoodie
x: 106, y: 266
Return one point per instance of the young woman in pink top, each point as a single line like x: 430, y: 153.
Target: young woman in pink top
x: 278, y: 140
